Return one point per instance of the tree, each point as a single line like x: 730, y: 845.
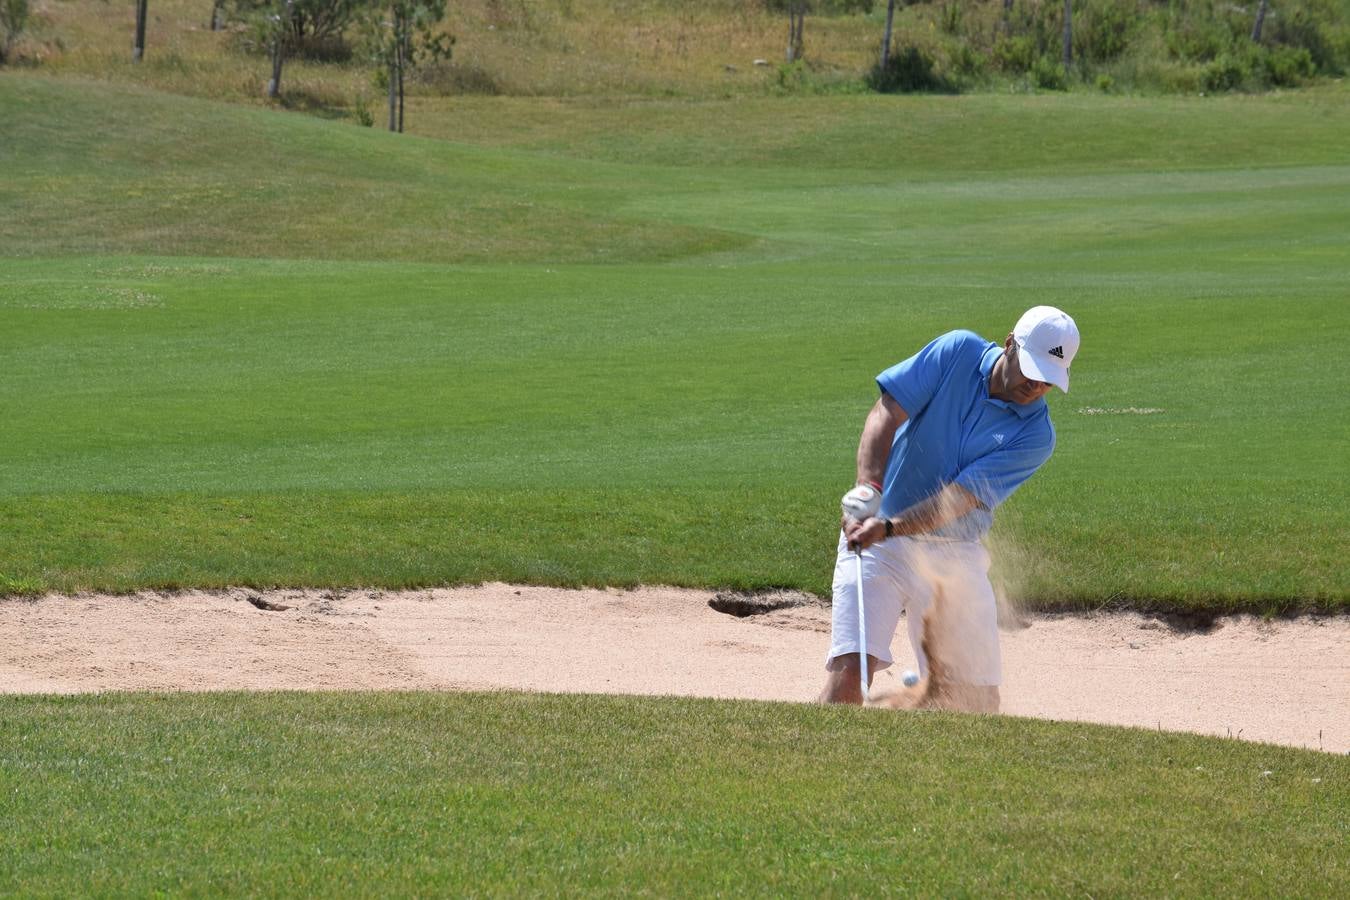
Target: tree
x: 217, y: 14
x: 312, y: 26
x: 401, y: 37
x: 1260, y: 20
x: 886, y: 38
x: 278, y: 26
x: 1068, y: 35
x: 796, y: 47
x: 13, y: 20
x: 138, y: 50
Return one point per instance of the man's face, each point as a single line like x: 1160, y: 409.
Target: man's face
x: 1018, y: 387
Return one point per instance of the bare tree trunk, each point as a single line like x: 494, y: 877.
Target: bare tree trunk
x: 274, y: 85
x: 1068, y: 35
x: 403, y: 54
x: 138, y: 51
x: 393, y: 92
x: 886, y: 39
x: 217, y: 7
x: 1260, y: 20
x: 283, y: 24
x: 796, y: 23
x: 800, y: 45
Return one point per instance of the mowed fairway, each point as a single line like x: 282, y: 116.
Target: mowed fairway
x: 612, y: 344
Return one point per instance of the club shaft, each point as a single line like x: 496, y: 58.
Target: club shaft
x: 862, y: 630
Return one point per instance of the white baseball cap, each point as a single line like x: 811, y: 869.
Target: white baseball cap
x: 1047, y: 340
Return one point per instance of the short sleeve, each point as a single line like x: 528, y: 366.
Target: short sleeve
x: 914, y: 382
x: 993, y: 477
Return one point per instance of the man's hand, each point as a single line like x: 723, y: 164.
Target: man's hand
x: 862, y: 502
x: 863, y: 534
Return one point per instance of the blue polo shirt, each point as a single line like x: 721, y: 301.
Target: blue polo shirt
x: 957, y: 433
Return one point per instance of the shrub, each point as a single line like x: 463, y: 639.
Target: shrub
x: 446, y: 77
x: 1048, y: 74
x: 1193, y: 36
x: 361, y: 112
x: 824, y: 7
x: 950, y: 17
x: 791, y: 76
x: 1316, y: 26
x: 1226, y: 73
x: 13, y: 20
x: 1288, y: 66
x: 1017, y: 54
x: 909, y: 70
x: 1102, y: 31
x: 967, y: 65
x: 329, y: 48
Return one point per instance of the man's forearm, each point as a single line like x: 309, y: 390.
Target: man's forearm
x: 947, y: 505
x: 874, y: 447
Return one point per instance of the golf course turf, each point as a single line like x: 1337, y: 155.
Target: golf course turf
x: 611, y: 341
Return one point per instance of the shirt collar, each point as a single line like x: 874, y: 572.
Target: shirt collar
x: 1022, y: 410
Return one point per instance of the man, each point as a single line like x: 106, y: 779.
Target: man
x: 957, y: 428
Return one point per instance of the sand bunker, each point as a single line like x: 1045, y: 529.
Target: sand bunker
x: 1286, y: 682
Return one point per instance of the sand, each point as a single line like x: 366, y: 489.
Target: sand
x: 1284, y: 681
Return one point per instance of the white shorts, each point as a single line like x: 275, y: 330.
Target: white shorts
x: 905, y: 573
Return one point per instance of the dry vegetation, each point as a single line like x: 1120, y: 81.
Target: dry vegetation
x: 513, y: 47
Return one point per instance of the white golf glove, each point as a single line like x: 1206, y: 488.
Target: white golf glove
x: 863, y: 502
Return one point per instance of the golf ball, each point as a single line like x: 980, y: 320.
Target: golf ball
x: 909, y: 677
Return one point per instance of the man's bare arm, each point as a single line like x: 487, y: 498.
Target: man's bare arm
x: 947, y: 505
x: 874, y: 447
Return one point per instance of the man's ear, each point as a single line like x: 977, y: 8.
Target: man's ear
x: 1009, y: 341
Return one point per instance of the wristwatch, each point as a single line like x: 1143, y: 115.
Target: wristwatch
x: 890, y: 528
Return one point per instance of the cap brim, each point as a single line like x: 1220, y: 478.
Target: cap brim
x: 1041, y: 369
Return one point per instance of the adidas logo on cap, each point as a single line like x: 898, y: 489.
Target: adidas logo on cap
x: 1058, y: 351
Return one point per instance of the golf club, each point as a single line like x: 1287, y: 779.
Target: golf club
x: 862, y: 629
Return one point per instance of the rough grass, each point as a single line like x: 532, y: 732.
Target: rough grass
x: 449, y: 793
x: 661, y: 48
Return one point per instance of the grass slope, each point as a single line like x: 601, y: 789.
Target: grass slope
x: 432, y: 793
x: 596, y: 357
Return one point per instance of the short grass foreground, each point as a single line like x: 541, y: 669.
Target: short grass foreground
x: 504, y: 793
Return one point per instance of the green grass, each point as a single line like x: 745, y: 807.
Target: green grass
x: 578, y: 360
x: 288, y: 794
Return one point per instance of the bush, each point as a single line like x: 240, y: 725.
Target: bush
x: 1048, y: 74
x: 1316, y: 26
x: 908, y: 70
x: 1194, y: 37
x: 446, y: 77
x: 361, y: 112
x: 824, y: 7
x: 791, y: 77
x: 1228, y: 72
x: 1288, y: 66
x: 950, y: 17
x: 1016, y: 55
x: 13, y: 20
x: 330, y: 48
x: 967, y: 65
x: 1102, y: 31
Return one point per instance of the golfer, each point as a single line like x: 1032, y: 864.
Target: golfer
x: 957, y: 428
